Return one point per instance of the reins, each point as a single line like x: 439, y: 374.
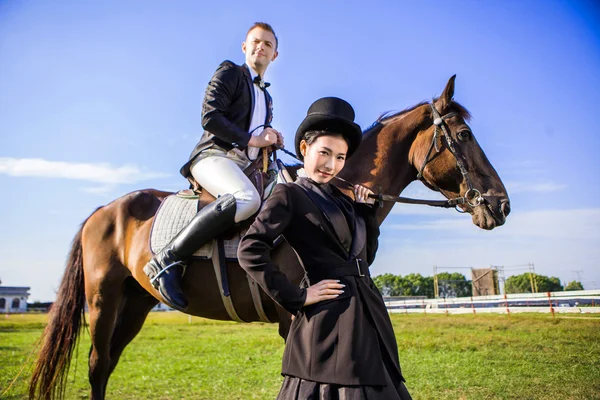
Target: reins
x: 472, y: 196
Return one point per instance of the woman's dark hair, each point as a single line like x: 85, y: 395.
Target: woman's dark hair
x: 311, y: 136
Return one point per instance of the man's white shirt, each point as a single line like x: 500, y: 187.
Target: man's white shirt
x: 259, y: 114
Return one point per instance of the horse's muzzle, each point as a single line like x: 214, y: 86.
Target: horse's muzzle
x: 505, y: 207
x: 492, y: 212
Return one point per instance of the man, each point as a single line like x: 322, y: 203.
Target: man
x: 236, y: 117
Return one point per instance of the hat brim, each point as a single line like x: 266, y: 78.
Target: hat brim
x: 326, y: 122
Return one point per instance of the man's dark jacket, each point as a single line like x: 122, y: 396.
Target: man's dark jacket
x: 227, y: 111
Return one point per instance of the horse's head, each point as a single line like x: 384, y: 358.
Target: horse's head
x: 449, y: 160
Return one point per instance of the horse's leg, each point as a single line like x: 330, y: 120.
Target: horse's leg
x: 104, y: 303
x: 104, y: 283
x: 136, y: 306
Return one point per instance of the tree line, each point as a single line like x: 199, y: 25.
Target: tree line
x: 457, y: 285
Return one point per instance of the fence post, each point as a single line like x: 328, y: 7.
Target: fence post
x: 473, y: 307
x: 550, y: 301
x: 445, y: 306
x: 506, y: 304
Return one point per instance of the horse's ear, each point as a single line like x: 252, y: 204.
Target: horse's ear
x: 447, y: 94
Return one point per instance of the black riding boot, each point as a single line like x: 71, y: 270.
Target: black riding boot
x: 167, y: 267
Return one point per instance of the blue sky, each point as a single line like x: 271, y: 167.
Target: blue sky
x: 101, y: 98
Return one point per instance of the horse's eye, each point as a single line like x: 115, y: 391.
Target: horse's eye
x: 463, y: 136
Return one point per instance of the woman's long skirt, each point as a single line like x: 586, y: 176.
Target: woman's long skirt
x: 300, y: 389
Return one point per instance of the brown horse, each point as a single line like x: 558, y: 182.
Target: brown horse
x: 111, y: 248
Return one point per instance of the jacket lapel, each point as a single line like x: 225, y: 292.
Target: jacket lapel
x: 251, y: 89
x: 334, y: 216
x: 359, y: 234
x: 269, y: 101
x: 359, y: 238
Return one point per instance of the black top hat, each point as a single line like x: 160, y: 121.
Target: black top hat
x: 333, y: 115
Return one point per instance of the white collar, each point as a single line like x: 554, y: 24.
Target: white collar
x: 253, y: 73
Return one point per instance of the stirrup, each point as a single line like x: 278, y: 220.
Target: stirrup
x: 162, y: 271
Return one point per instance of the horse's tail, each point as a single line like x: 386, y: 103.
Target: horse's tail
x: 61, y: 333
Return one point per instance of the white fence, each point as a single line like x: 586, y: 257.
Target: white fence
x: 580, y: 301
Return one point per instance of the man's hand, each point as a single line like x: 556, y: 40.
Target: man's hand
x: 326, y: 289
x: 279, y: 137
x: 267, y: 137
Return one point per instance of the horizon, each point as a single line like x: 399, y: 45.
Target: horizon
x: 98, y: 100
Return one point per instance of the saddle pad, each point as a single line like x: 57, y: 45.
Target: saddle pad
x: 173, y: 215
x: 177, y: 210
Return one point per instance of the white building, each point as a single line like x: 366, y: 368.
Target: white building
x: 13, y: 299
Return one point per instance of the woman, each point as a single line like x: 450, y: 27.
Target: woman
x: 341, y: 343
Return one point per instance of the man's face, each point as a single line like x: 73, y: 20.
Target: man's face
x: 259, y: 48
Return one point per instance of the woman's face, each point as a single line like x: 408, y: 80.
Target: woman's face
x: 324, y: 158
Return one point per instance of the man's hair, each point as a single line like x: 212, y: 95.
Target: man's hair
x: 266, y: 27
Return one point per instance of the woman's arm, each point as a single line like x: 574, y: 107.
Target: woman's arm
x: 367, y: 208
x: 256, y: 245
x: 372, y: 225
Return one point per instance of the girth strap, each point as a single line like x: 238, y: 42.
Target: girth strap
x: 223, y: 267
x: 255, y: 291
x: 220, y: 266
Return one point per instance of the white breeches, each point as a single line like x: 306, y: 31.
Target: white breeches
x: 220, y: 173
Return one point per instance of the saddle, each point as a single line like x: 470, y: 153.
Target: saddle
x: 260, y: 172
x: 176, y: 211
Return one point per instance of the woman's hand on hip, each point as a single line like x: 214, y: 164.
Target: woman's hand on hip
x: 361, y: 194
x: 326, y: 289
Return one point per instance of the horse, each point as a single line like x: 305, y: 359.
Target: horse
x: 108, y: 253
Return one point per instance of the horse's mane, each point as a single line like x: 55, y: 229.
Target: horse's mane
x: 390, y: 116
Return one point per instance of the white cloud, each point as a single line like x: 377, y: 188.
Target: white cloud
x: 522, y: 168
x: 99, y: 190
x: 417, y: 190
x: 556, y: 241
x: 100, y: 172
x: 544, y: 187
x: 571, y: 224
x: 566, y: 224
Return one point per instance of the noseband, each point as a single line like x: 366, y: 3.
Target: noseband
x: 472, y: 196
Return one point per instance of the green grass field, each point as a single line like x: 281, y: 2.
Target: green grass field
x: 443, y: 357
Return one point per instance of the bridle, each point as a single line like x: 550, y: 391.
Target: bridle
x: 472, y: 196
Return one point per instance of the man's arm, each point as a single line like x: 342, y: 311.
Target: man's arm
x: 217, y: 99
